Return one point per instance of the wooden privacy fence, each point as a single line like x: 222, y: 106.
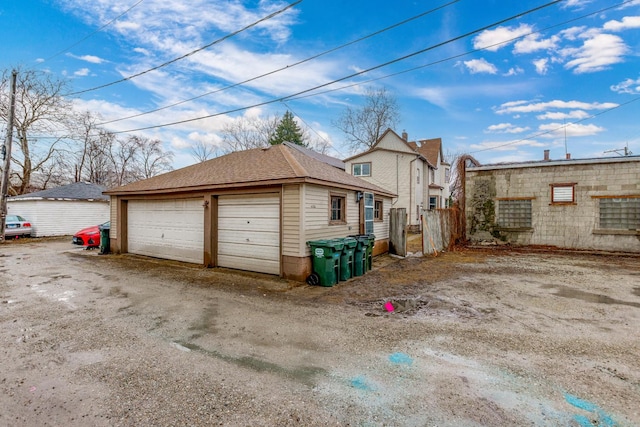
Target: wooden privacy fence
x: 398, y: 231
x: 441, y: 229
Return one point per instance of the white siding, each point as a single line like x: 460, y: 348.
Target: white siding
x: 59, y: 217
x: 381, y: 229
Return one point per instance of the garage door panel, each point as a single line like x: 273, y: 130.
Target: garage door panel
x: 249, y: 232
x: 249, y: 238
x: 249, y: 264
x: 254, y: 251
x: 170, y: 229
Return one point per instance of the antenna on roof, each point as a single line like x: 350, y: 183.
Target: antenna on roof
x: 620, y: 151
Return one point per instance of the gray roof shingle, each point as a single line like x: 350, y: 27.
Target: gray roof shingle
x: 75, y: 191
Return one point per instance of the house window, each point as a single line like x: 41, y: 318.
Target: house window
x: 620, y: 213
x: 563, y: 193
x: 447, y: 174
x: 515, y: 213
x: 418, y: 176
x: 377, y: 211
x: 361, y: 169
x: 433, y: 203
x: 432, y: 176
x: 338, y: 207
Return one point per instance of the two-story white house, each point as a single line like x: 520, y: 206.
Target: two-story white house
x: 414, y: 171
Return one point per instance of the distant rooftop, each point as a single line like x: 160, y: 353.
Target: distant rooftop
x: 559, y: 162
x: 75, y: 191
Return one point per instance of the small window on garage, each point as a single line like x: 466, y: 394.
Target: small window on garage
x: 563, y: 194
x: 514, y: 213
x: 620, y: 213
x: 362, y: 169
x: 377, y: 211
x: 338, y: 209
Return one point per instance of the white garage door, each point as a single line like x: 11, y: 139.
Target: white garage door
x: 249, y: 232
x: 170, y: 229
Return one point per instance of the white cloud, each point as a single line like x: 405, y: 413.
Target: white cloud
x: 477, y: 66
x: 533, y: 43
x: 542, y: 65
x: 556, y: 115
x: 87, y: 58
x: 630, y: 4
x: 627, y: 86
x: 626, y: 23
x: 82, y: 72
x: 596, y: 54
x: 514, y: 71
x: 493, y: 40
x: 560, y: 130
x: 520, y: 107
x: 506, y: 128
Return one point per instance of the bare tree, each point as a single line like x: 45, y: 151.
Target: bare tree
x: 202, y: 151
x: 363, y: 126
x: 152, y: 159
x: 249, y: 132
x: 40, y: 110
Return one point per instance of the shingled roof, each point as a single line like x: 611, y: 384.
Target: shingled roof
x: 274, y: 165
x: 75, y: 191
x: 430, y: 148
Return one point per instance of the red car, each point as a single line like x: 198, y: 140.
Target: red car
x: 90, y: 236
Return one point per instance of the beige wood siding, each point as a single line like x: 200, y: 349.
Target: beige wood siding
x: 114, y: 217
x: 316, y: 215
x: 381, y: 229
x: 292, y: 244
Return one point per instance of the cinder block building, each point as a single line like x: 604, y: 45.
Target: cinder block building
x: 571, y: 203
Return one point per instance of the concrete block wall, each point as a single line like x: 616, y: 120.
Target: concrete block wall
x: 562, y: 225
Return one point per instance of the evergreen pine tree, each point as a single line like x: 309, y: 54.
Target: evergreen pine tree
x: 288, y: 130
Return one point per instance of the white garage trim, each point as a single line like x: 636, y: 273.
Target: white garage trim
x: 249, y: 232
x: 170, y: 229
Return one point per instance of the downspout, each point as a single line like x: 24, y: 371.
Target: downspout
x: 411, y: 186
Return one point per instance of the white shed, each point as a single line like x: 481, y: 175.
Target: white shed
x: 62, y: 210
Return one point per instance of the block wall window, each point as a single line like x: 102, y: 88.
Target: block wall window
x: 514, y: 213
x: 338, y: 209
x: 378, y: 211
x: 621, y: 213
x: 563, y: 193
x: 361, y: 169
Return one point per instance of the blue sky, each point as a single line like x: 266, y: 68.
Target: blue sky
x: 565, y: 77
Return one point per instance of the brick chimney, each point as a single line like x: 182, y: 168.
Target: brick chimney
x: 546, y: 155
x: 568, y: 156
x: 405, y: 136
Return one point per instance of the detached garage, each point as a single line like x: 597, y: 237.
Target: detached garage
x: 62, y: 211
x: 251, y: 210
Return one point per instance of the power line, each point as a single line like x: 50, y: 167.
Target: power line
x: 531, y: 137
x: 297, y: 94
x: 276, y: 13
x: 413, y: 18
x: 94, y: 33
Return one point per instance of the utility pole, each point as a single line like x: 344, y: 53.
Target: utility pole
x: 6, y: 154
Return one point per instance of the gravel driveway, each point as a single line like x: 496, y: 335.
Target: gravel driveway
x: 476, y: 338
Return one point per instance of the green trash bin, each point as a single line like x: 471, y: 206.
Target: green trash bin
x: 347, y: 257
x: 371, y: 242
x: 105, y: 243
x: 325, y: 256
x: 359, y: 257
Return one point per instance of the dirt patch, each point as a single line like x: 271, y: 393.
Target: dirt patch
x: 476, y: 337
